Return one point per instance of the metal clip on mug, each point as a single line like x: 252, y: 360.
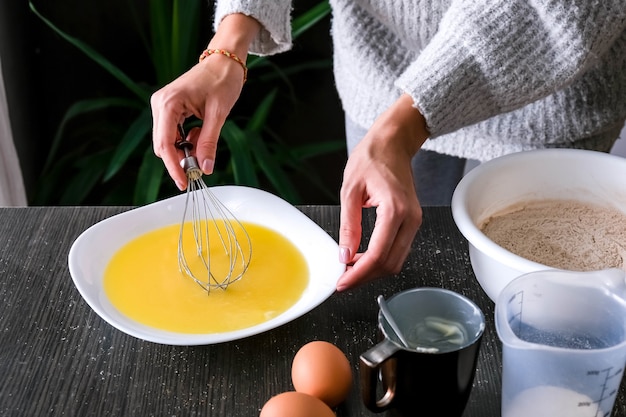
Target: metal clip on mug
x: 431, y: 351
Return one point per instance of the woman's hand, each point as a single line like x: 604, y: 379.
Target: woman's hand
x: 208, y: 91
x: 378, y: 174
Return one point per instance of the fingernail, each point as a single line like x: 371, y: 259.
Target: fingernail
x: 180, y: 185
x: 207, y: 166
x: 344, y: 254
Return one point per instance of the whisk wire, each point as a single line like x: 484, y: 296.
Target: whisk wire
x: 210, y: 220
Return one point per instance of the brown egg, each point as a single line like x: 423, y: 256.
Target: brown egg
x: 322, y: 370
x: 295, y: 404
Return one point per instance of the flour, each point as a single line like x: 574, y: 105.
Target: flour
x: 564, y: 234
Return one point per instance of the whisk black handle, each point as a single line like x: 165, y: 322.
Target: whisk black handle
x: 183, y: 144
x: 188, y: 163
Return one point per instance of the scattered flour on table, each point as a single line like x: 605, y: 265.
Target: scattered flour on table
x: 564, y: 234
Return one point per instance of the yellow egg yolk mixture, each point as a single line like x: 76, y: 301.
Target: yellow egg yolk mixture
x: 143, y: 282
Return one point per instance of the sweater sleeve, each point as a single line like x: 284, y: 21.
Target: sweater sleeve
x: 275, y: 19
x: 490, y: 57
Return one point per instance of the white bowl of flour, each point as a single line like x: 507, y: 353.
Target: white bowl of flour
x: 542, y: 209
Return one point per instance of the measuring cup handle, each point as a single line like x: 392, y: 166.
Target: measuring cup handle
x: 370, y: 365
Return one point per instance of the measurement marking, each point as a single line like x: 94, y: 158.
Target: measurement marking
x: 605, y: 393
x: 517, y: 316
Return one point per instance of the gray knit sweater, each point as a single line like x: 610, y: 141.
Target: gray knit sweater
x: 490, y: 76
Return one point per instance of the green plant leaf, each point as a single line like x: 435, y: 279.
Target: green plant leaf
x: 305, y: 21
x: 185, y: 34
x: 284, y: 73
x: 216, y: 178
x: 80, y: 108
x: 149, y: 179
x: 241, y: 158
x: 161, y: 35
x: 256, y: 61
x: 316, y: 149
x: 268, y: 164
x: 134, y: 136
x: 259, y: 119
x: 141, y: 92
x: 80, y: 186
x: 296, y: 159
x: 48, y: 186
x: 174, y: 30
x: 271, y: 167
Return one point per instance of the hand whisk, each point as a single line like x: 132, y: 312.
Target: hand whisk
x: 219, y: 251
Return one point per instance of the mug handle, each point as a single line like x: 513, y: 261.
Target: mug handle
x: 370, y: 364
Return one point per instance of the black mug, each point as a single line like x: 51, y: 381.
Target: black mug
x: 433, y: 375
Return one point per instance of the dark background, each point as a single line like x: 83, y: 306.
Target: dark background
x: 44, y: 75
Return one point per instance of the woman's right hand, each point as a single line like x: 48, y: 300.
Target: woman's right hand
x: 378, y: 174
x: 208, y: 91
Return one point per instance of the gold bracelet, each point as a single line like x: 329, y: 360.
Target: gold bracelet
x: 230, y: 55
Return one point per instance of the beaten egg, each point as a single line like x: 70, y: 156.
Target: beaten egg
x: 143, y: 281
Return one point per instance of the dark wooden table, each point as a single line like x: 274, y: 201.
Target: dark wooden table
x: 58, y: 358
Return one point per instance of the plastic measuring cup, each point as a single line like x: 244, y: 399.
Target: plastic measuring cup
x: 564, y: 343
